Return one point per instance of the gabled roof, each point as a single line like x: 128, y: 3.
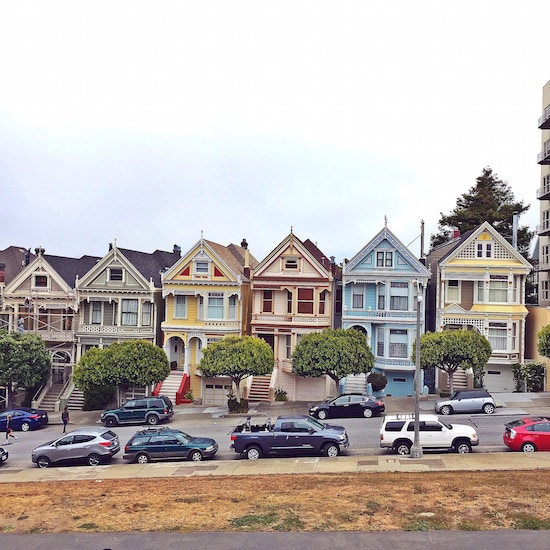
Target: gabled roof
x: 71, y: 268
x: 317, y: 259
x: 231, y: 258
x: 470, y: 236
x: 415, y: 266
x: 151, y: 265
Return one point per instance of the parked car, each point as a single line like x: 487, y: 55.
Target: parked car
x: 347, y: 405
x: 294, y: 435
x: 528, y: 434
x: 397, y: 434
x: 165, y: 443
x: 92, y: 445
x: 3, y: 455
x: 463, y: 401
x: 147, y: 410
x: 23, y: 419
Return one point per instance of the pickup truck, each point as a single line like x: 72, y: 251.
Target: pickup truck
x: 288, y: 435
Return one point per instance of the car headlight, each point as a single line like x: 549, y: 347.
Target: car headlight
x: 313, y: 408
x: 210, y: 448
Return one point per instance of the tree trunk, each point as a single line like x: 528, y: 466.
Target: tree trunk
x: 451, y: 373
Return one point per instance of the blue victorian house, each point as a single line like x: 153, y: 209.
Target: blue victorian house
x: 384, y: 289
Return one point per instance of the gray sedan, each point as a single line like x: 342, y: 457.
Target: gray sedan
x: 91, y: 445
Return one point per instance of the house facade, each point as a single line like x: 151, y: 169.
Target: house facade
x: 296, y: 290
x: 120, y: 298
x: 381, y: 286
x: 39, y: 297
x: 478, y: 283
x: 207, y: 298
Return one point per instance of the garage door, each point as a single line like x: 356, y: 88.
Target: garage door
x: 215, y: 392
x: 499, y: 379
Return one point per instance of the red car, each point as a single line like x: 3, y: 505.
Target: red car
x: 528, y: 434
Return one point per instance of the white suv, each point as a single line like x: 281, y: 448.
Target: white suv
x: 397, y: 433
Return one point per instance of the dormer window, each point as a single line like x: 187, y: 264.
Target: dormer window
x: 291, y: 263
x: 40, y: 281
x: 115, y: 274
x: 201, y: 268
x: 484, y: 250
x: 384, y: 259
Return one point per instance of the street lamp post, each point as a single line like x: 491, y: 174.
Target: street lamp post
x: 416, y: 449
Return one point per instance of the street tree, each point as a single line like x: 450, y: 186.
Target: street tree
x: 490, y: 200
x: 122, y: 364
x: 451, y: 350
x: 336, y: 353
x: 238, y: 358
x: 24, y: 362
x: 543, y: 341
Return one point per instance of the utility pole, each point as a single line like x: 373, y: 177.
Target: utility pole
x: 416, y: 449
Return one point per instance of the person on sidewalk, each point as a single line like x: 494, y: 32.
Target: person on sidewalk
x: 65, y: 418
x: 9, y: 430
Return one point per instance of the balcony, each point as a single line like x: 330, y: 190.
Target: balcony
x: 544, y: 228
x: 126, y: 331
x: 291, y: 320
x: 543, y: 192
x: 544, y: 120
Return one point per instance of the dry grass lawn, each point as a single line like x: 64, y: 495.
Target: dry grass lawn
x: 346, y: 502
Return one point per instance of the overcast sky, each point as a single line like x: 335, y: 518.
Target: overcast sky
x: 149, y: 122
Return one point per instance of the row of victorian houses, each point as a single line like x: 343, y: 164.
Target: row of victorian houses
x: 185, y: 301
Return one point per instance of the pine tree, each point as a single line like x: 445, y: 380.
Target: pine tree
x: 491, y: 200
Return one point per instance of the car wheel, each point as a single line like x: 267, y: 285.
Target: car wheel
x: 529, y: 447
x: 253, y: 453
x: 94, y: 459
x: 42, y: 461
x: 195, y: 456
x: 25, y: 427
x: 367, y: 413
x: 152, y: 420
x: 110, y: 422
x: 331, y: 450
x: 446, y: 409
x: 321, y: 415
x: 463, y: 448
x: 403, y: 448
x: 142, y: 458
x: 488, y: 408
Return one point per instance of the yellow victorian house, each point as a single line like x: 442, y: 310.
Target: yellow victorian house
x: 478, y: 283
x: 207, y: 297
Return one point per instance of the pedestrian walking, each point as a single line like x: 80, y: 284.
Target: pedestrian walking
x: 65, y: 418
x: 9, y: 430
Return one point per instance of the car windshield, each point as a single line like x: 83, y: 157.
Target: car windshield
x: 314, y: 423
x: 446, y: 424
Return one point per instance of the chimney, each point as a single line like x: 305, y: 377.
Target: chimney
x: 456, y: 232
x: 177, y: 249
x: 2, y: 273
x: 244, y: 245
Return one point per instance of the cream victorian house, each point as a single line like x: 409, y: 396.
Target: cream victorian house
x: 478, y: 283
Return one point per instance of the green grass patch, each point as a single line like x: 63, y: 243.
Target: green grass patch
x: 88, y: 526
x: 255, y: 521
x: 531, y: 523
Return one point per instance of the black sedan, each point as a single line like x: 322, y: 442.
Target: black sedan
x: 350, y: 404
